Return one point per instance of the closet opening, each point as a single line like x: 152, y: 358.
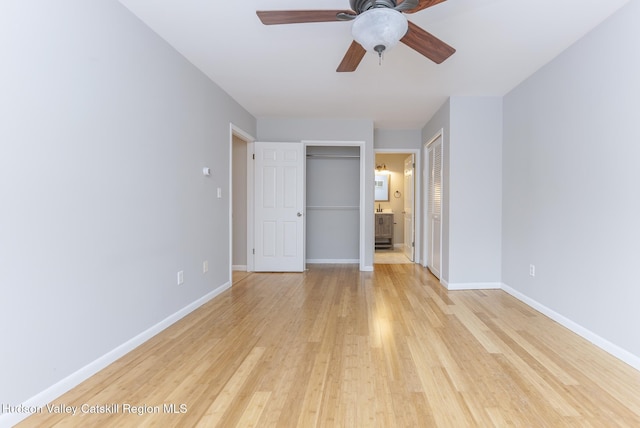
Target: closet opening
x: 332, y: 204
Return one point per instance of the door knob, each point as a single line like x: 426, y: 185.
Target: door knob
x: 299, y: 214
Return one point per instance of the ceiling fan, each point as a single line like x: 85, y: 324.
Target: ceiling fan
x: 378, y: 25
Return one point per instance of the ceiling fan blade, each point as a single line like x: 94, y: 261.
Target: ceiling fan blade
x: 427, y: 44
x: 423, y: 4
x: 272, y: 17
x: 352, y: 58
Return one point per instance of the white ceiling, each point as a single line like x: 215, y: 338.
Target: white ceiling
x: 289, y: 70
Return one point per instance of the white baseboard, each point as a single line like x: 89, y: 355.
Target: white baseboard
x: 333, y: 261
x: 605, y: 345
x: 472, y: 285
x: 242, y: 268
x: 74, y: 379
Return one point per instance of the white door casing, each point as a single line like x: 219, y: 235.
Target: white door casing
x: 409, y: 211
x: 279, y: 207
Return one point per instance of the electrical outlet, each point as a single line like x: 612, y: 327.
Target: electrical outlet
x: 219, y: 193
x: 180, y: 277
x: 532, y: 270
x: 205, y: 266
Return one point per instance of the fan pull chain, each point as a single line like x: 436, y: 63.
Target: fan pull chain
x: 380, y: 49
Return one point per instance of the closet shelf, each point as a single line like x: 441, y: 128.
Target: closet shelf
x: 329, y: 156
x: 333, y: 208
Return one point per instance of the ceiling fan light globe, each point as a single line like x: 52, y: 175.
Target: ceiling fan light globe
x: 379, y: 27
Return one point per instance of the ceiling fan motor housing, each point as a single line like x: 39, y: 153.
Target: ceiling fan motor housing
x: 363, y: 5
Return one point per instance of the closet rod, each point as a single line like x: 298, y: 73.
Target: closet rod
x: 310, y: 155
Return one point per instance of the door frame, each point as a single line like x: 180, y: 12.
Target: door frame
x: 363, y: 209
x: 425, y: 175
x: 414, y: 172
x: 243, y: 135
x: 417, y: 192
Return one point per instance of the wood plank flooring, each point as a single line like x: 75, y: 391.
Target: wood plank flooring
x: 392, y: 256
x: 335, y: 347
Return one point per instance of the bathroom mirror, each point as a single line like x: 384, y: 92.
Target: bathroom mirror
x: 382, y: 187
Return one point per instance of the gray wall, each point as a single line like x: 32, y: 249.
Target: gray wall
x: 472, y: 182
x: 292, y: 130
x: 105, y: 130
x: 475, y: 190
x: 397, y: 139
x: 571, y: 202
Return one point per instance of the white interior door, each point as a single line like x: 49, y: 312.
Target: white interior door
x: 279, y: 202
x: 434, y: 209
x: 409, y: 211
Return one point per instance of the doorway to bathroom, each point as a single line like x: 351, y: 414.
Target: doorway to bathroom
x: 396, y: 207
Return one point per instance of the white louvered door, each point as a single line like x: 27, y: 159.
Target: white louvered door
x: 434, y: 208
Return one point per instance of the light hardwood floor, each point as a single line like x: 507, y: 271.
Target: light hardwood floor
x: 339, y: 347
x: 393, y: 256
